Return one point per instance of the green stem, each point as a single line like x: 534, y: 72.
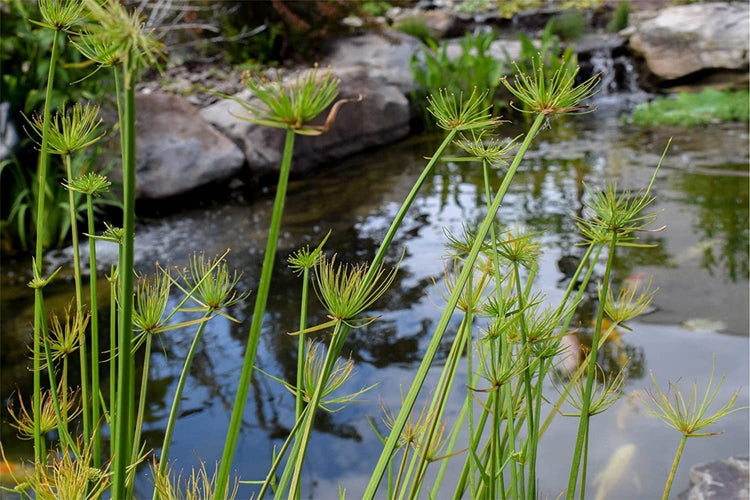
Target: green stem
x: 301, y: 342
x: 79, y: 302
x: 584, y: 463
x: 386, y: 243
x: 579, y: 371
x: 673, y: 470
x: 95, y: 413
x: 164, y: 457
x: 526, y: 380
x: 125, y: 377
x: 401, y: 468
x: 583, y: 425
x: 304, y: 439
x: 136, y: 446
x: 39, y: 451
x: 61, y: 418
x: 269, y: 477
x: 437, y: 407
x: 261, y: 297
x: 437, y: 337
x: 112, y: 350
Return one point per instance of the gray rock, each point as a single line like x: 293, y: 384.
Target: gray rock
x: 440, y: 23
x: 682, y: 40
x: 176, y: 150
x: 8, y: 134
x: 381, y: 118
x: 725, y: 479
x: 501, y: 50
x: 385, y: 55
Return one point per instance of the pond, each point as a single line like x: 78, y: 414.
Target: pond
x: 700, y: 314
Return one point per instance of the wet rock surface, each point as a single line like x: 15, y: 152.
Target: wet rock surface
x: 686, y: 39
x: 721, y: 479
x: 381, y: 117
x: 8, y: 134
x: 176, y: 151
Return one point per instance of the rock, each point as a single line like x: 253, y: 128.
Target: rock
x: 8, y: 134
x: 176, y: 150
x: 725, y: 479
x: 682, y: 40
x: 500, y: 50
x: 441, y: 23
x: 381, y: 118
x: 386, y: 56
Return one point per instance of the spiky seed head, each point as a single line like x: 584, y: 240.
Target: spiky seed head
x: 540, y: 92
x: 611, y: 212
x: 471, y: 299
x: 496, y: 370
x: 460, y: 245
x: 151, y: 298
x: 66, y: 336
x: 23, y: 422
x: 494, y: 151
x: 691, y: 416
x: 413, y: 428
x: 91, y: 184
x: 304, y: 258
x: 102, y: 51
x: 71, y: 130
x: 291, y: 105
x: 113, y: 233
x: 606, y: 391
x: 627, y: 305
x: 518, y: 246
x: 453, y: 113
x: 69, y: 475
x: 342, y: 372
x: 61, y: 15
x: 215, y: 287
x: 343, y: 290
x: 124, y: 34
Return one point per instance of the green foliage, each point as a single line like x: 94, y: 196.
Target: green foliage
x: 620, y: 16
x: 548, y: 53
x: 375, y: 7
x: 568, y: 25
x: 416, y: 27
x: 709, y: 106
x: 511, y: 8
x: 473, y: 68
x: 24, y: 63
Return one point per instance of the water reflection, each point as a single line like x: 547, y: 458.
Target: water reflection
x: 356, y: 200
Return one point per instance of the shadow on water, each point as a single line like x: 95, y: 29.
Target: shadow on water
x: 700, y: 263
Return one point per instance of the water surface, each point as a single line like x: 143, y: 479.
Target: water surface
x: 699, y: 263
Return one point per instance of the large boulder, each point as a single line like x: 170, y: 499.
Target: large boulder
x: 380, y: 118
x: 8, y: 134
x: 176, y: 151
x: 682, y: 40
x: 385, y: 55
x: 725, y: 479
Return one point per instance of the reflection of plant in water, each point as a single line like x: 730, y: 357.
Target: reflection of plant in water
x: 722, y: 216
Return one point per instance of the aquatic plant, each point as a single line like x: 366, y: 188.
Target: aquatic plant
x: 687, y: 417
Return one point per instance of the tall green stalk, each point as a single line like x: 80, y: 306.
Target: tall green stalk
x: 164, y: 456
x: 95, y: 413
x: 259, y: 309
x: 136, y: 446
x: 301, y: 342
x: 429, y: 356
x: 673, y: 470
x: 583, y: 424
x: 79, y: 301
x: 125, y: 377
x: 39, y: 446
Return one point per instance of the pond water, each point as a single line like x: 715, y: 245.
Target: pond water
x: 700, y: 313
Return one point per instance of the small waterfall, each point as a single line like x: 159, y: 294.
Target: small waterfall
x: 619, y: 77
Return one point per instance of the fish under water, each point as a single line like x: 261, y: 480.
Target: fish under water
x: 615, y: 471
